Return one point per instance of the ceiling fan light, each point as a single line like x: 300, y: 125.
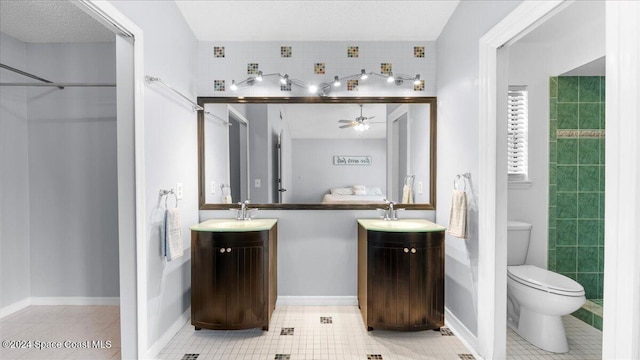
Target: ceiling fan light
x: 233, y: 86
x: 313, y: 88
x: 284, y: 79
x: 336, y: 81
x: 417, y: 80
x: 259, y: 77
x: 363, y: 75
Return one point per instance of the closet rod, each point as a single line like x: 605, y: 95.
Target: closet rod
x: 152, y: 79
x: 60, y: 85
x: 24, y: 73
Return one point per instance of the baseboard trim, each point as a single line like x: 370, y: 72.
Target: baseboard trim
x: 155, y: 349
x: 15, y: 307
x: 58, y: 300
x: 464, y: 335
x: 75, y: 300
x: 317, y: 300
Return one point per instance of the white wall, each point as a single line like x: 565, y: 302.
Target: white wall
x: 314, y: 172
x: 15, y: 280
x: 457, y: 73
x: 531, y: 63
x: 72, y: 172
x: 170, y: 155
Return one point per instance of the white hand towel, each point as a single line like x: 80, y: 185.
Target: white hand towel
x: 407, y: 194
x: 173, y: 234
x: 458, y: 215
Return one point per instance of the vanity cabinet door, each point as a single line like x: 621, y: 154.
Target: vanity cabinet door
x: 208, y: 283
x: 246, y: 291
x: 388, y: 284
x: 230, y: 287
x: 426, y: 272
x: 404, y: 275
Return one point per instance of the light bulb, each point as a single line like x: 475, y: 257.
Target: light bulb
x: 363, y: 75
x: 336, y: 81
x: 417, y: 80
x: 284, y: 80
x: 390, y: 78
x: 259, y: 77
x: 313, y: 88
x: 233, y: 86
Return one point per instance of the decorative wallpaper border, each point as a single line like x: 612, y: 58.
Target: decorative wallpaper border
x: 572, y: 134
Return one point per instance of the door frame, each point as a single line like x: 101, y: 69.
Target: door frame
x: 131, y: 174
x: 622, y: 272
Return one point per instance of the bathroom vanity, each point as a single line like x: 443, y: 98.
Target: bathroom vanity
x: 233, y: 273
x: 401, y: 274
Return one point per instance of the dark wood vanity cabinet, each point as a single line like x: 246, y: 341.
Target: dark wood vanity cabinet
x: 401, y: 279
x: 233, y: 279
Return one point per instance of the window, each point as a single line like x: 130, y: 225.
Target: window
x: 517, y: 129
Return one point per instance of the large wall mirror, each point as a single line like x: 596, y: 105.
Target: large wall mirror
x: 317, y: 153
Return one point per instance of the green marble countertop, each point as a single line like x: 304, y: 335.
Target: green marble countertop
x: 233, y: 225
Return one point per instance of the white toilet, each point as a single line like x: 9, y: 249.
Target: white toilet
x: 537, y: 298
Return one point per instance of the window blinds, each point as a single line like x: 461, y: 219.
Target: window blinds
x: 517, y: 129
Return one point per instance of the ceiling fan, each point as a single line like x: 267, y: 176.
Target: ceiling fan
x: 360, y: 123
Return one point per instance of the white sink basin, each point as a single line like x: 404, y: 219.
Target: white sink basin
x: 232, y: 225
x: 403, y: 225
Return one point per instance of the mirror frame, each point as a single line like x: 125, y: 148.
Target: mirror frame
x: 431, y: 100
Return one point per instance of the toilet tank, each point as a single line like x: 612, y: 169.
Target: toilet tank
x: 518, y: 235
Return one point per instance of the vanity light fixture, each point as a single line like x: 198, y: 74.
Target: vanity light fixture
x: 323, y: 89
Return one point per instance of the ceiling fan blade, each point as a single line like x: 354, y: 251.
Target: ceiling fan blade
x: 369, y: 118
x: 375, y: 122
x: 345, y: 121
x: 346, y: 126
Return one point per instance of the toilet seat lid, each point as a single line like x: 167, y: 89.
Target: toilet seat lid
x: 545, y: 280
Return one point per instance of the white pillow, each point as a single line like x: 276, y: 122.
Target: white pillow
x: 359, y: 192
x: 342, y: 191
x: 374, y: 191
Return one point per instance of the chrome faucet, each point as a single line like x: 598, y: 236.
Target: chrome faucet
x: 390, y: 213
x: 243, y: 212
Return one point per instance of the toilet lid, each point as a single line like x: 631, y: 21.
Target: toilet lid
x: 545, y: 280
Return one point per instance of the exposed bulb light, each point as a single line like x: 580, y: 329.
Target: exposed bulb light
x: 284, y: 80
x: 390, y: 78
x: 336, y: 81
x: 417, y: 80
x: 363, y: 75
x: 259, y: 77
x: 313, y: 88
x: 233, y: 86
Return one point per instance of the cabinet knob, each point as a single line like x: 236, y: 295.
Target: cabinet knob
x: 413, y: 250
x: 406, y: 250
x: 228, y: 250
x: 222, y: 250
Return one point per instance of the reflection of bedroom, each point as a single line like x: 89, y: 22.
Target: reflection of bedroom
x: 321, y: 157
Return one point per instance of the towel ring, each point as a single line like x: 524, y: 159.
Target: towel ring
x: 455, y: 183
x: 166, y: 193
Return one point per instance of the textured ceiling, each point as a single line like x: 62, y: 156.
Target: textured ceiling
x: 50, y: 21
x: 316, y: 20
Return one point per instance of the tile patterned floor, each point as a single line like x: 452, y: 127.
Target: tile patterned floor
x: 59, y: 324
x: 319, y: 332
x: 295, y: 333
x: 585, y: 343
